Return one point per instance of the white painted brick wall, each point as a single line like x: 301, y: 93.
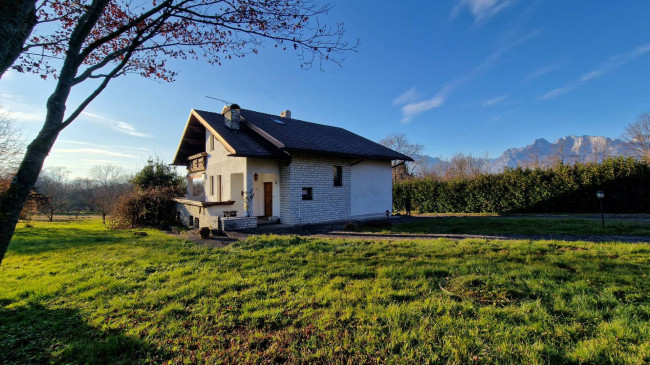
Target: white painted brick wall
x: 205, y: 220
x: 329, y: 202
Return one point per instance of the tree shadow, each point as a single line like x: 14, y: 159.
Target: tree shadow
x: 37, y: 334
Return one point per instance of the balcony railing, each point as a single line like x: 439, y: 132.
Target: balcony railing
x: 196, y: 163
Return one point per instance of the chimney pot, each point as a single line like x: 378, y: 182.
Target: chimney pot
x: 286, y: 113
x: 231, y: 116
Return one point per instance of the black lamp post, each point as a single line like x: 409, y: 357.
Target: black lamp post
x: 601, y: 195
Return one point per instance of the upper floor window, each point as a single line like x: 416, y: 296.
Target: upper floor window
x: 211, y: 142
x: 338, y: 175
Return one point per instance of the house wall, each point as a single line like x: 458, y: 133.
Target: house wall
x: 206, y: 218
x: 371, y: 188
x: 232, y: 171
x: 329, y: 202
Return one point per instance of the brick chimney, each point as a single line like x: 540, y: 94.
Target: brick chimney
x: 231, y: 116
x: 286, y: 114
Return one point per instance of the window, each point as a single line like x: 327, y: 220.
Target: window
x: 219, y: 188
x: 211, y: 185
x: 338, y: 175
x: 211, y: 142
x: 306, y: 194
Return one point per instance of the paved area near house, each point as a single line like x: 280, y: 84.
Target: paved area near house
x: 335, y: 230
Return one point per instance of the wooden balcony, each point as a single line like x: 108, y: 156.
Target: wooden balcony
x: 196, y: 163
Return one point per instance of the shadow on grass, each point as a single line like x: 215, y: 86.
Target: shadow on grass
x: 36, y: 334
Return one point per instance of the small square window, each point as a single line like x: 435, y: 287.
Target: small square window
x: 337, y: 171
x: 306, y: 194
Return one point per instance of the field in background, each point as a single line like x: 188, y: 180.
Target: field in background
x: 75, y: 292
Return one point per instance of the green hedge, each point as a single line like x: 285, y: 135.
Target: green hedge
x: 560, y: 189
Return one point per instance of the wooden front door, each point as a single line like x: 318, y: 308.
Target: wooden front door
x: 268, y: 199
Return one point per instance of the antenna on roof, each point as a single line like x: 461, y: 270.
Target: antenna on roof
x: 224, y: 101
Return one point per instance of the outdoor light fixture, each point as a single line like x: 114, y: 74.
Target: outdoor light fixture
x: 387, y: 214
x: 255, y: 177
x: 601, y: 195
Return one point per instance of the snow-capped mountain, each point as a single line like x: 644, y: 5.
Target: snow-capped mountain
x: 541, y: 152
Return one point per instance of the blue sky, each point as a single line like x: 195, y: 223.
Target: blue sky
x: 472, y: 76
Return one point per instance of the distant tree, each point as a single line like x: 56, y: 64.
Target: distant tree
x: 398, y: 142
x: 534, y: 158
x: 602, y: 148
x: 158, y: 174
x: 85, y: 191
x: 466, y: 166
x: 562, y: 153
x: 111, y: 183
x: 54, y: 189
x: 637, y: 137
x: 95, y: 41
x: 11, y: 145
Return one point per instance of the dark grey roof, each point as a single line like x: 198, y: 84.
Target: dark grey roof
x: 244, y: 141
x: 298, y: 135
x: 268, y: 138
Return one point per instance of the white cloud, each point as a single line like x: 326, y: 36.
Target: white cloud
x: 412, y: 110
x: 90, y: 161
x: 122, y: 127
x: 537, y: 73
x: 92, y: 151
x: 24, y: 116
x: 409, y: 96
x: 482, y: 10
x: 494, y: 101
x: 612, y: 63
x: 76, y: 142
x: 12, y: 97
x: 415, y: 108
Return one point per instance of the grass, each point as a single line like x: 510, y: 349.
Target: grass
x: 73, y: 292
x: 523, y: 226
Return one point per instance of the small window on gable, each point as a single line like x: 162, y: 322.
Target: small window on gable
x: 211, y: 142
x: 337, y: 171
x: 307, y: 194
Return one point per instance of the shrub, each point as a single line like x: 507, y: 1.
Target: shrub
x: 350, y: 226
x: 151, y: 207
x: 562, y: 188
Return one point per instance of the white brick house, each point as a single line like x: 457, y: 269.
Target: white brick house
x: 243, y: 165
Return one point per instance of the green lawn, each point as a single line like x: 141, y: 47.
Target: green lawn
x: 77, y: 293
x: 507, y: 225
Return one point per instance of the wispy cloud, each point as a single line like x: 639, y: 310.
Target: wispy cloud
x: 12, y: 97
x: 92, y: 151
x: 76, y: 142
x: 612, y: 63
x: 537, y: 73
x: 122, y: 127
x: 414, y: 108
x: 90, y: 161
x: 482, y: 10
x: 409, y: 96
x: 24, y: 116
x: 494, y: 101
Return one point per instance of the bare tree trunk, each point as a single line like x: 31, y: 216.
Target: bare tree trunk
x: 12, y: 202
x: 17, y: 20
